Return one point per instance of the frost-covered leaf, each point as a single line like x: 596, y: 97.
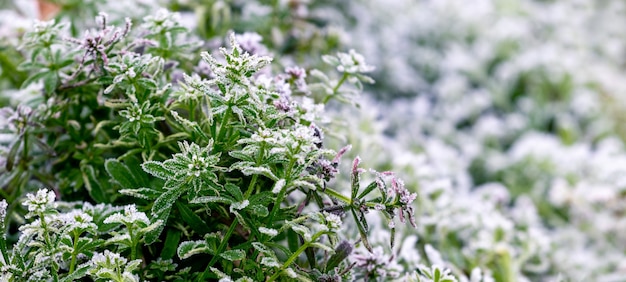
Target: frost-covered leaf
x: 121, y: 174
x: 250, y: 168
x: 323, y: 247
x: 262, y: 248
x: 233, y: 255
x: 278, y: 186
x: 234, y: 191
x: 331, y: 60
x: 190, y: 248
x: 211, y: 199
x: 142, y: 193
x: 259, y: 210
x: 302, y: 230
x: 161, y: 211
x: 303, y: 184
x: 157, y: 169
x: 270, y: 262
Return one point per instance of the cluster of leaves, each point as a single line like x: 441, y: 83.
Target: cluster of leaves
x: 227, y: 166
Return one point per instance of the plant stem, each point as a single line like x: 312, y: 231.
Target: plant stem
x: 336, y: 88
x: 294, y: 256
x: 55, y: 267
x: 254, y: 177
x: 338, y: 196
x: 222, y: 132
x: 74, y: 254
x: 505, y: 266
x: 133, y: 243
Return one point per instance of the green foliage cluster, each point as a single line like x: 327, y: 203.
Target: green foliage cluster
x: 155, y: 171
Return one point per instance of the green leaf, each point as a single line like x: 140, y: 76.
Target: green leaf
x: 121, y: 174
x: 304, y: 231
x: 195, y: 222
x: 34, y: 78
x: 234, y: 191
x: 263, y: 248
x: 233, y: 255
x: 50, y: 82
x: 190, y: 248
x: 171, y: 242
x: 293, y: 241
x: 77, y: 274
x: 261, y: 170
x: 342, y: 251
x: 241, y: 155
x: 10, y: 161
x: 166, y: 200
x: 322, y: 246
x: 161, y: 211
x: 85, y: 245
x: 369, y: 189
x: 362, y: 230
x: 259, y: 210
x: 270, y: 262
x: 157, y: 169
x: 263, y: 198
x: 93, y: 186
x: 211, y: 199
x: 141, y: 193
x: 156, y: 225
x: 146, y: 83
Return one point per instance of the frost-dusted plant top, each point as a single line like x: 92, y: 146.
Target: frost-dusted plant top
x: 152, y: 173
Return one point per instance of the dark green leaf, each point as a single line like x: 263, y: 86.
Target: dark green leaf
x: 171, y: 244
x: 292, y: 240
x: 94, y: 187
x: 134, y: 165
x: 195, y: 222
x: 240, y: 155
x: 13, y: 154
x: 343, y: 250
x: 77, y: 274
x: 50, y: 81
x: 161, y: 211
x: 166, y: 200
x: 263, y: 198
x: 234, y: 191
x: 362, y: 230
x: 233, y: 255
x: 121, y: 174
x: 259, y: 210
x: 368, y: 189
x: 86, y: 245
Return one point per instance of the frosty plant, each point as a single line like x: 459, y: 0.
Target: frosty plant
x: 226, y: 170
